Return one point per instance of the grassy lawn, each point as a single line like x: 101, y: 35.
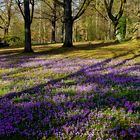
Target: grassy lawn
x: 88, y: 92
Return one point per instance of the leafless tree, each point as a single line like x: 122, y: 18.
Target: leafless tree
x: 27, y: 14
x: 72, y: 11
x: 5, y: 15
x: 114, y: 17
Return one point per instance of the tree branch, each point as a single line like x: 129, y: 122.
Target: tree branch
x: 32, y: 13
x: 59, y: 3
x: 1, y: 27
x: 94, y: 6
x: 19, y: 6
x: 82, y: 9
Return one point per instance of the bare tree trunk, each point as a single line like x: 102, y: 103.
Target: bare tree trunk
x: 68, y: 21
x: 53, y: 39
x: 76, y: 33
x: 27, y: 24
x: 68, y: 34
x: 5, y: 34
x: 53, y: 22
x: 138, y: 28
x: 115, y: 18
x: 28, y: 47
x: 6, y: 30
x: 44, y: 32
x: 96, y: 20
x: 109, y: 30
x: 62, y: 33
x: 8, y: 20
x: 114, y: 32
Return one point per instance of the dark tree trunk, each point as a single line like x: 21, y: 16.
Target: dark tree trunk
x: 28, y: 45
x: 114, y: 31
x: 53, y: 22
x: 68, y: 34
x: 27, y: 24
x: 62, y: 33
x: 5, y: 31
x: 115, y: 18
x: 5, y: 35
x: 53, y: 40
x: 68, y: 21
x: 117, y: 36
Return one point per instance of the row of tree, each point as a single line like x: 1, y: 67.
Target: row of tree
x: 72, y: 15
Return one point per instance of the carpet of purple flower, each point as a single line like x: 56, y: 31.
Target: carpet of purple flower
x: 69, y: 98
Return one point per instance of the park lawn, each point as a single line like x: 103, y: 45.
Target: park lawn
x: 91, y: 91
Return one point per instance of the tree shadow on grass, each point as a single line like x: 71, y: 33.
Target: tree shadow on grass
x: 79, y: 47
x: 55, y: 50
x: 14, y: 57
x: 48, y: 113
x: 100, y: 66
x: 19, y: 61
x: 52, y: 117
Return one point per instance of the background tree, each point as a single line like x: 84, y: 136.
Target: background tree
x: 70, y: 15
x: 93, y: 24
x: 51, y: 11
x: 115, y: 17
x: 5, y: 15
x: 136, y: 29
x: 28, y: 16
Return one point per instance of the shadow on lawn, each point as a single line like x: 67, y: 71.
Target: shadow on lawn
x: 79, y: 47
x: 96, y: 67
x: 112, y: 90
x: 22, y: 58
x: 55, y: 50
x: 20, y: 62
x: 18, y: 57
x: 54, y: 115
x: 15, y: 54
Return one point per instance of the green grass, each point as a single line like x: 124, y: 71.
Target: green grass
x: 19, y: 78
x: 102, y: 50
x: 96, y: 50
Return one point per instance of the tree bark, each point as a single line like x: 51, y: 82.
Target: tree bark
x: 7, y: 20
x: 27, y: 24
x: 115, y: 18
x: 119, y: 35
x: 138, y: 26
x: 114, y: 31
x: 116, y: 34
x: 6, y: 34
x: 28, y: 46
x: 68, y: 21
x: 53, y: 22
x: 6, y: 31
x: 53, y: 40
x: 62, y: 33
x: 68, y: 34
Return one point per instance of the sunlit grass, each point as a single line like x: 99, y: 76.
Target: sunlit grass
x: 102, y: 50
x: 36, y: 75
x: 91, y: 89
x: 94, y: 50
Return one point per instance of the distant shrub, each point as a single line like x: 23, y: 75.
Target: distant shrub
x: 3, y: 43
x: 11, y: 40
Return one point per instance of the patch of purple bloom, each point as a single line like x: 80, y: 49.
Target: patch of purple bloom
x: 70, y: 98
